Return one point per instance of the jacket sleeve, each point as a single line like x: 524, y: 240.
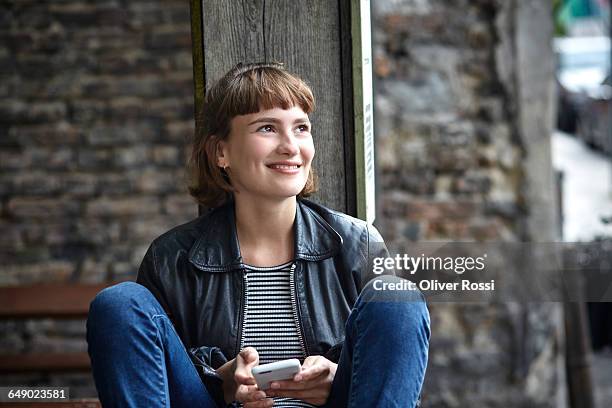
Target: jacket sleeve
x: 333, y: 354
x: 376, y: 253
x: 149, y: 278
x: 205, y: 359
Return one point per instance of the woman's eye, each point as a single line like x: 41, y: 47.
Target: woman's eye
x: 266, y: 128
x: 304, y: 128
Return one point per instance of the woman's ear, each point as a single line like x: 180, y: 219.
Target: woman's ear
x: 221, y: 154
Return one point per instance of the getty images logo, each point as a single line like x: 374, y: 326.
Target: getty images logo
x: 412, y: 264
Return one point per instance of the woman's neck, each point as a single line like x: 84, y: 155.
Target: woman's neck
x: 265, y: 230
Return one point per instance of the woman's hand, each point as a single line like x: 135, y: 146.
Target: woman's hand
x: 312, y: 384
x: 239, y: 383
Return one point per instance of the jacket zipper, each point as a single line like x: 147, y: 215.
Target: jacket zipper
x: 243, y: 311
x: 294, y: 305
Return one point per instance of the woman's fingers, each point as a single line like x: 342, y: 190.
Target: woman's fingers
x: 250, y: 393
x: 309, y: 377
x: 294, y: 385
x: 245, y: 361
x: 315, y: 383
x: 304, y: 378
x: 313, y: 371
x: 310, y: 361
x: 244, y: 390
x: 312, y: 384
x: 247, y: 391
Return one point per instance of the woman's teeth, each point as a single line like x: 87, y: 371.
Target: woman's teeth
x: 283, y: 166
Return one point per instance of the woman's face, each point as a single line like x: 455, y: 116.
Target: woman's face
x: 268, y: 153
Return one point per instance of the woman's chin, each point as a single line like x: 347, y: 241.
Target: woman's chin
x: 289, y: 190
x: 289, y: 193
x: 275, y: 194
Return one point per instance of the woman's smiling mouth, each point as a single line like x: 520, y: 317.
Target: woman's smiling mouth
x: 285, y: 167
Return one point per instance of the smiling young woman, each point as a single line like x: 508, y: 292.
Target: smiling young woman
x: 267, y: 156
x: 265, y: 275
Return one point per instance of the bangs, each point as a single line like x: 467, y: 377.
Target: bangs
x: 262, y: 89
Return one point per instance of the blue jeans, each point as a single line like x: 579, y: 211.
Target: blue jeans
x: 138, y: 359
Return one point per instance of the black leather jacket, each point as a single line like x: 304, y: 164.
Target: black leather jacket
x: 195, y: 271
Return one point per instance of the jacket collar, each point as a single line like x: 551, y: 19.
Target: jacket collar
x: 217, y: 248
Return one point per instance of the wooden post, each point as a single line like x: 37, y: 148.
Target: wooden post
x: 327, y: 44
x: 578, y: 341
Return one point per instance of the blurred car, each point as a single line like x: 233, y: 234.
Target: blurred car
x: 582, y: 64
x: 594, y: 118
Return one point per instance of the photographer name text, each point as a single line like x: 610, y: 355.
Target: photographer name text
x: 429, y: 285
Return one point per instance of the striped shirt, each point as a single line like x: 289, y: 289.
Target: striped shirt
x: 270, y: 321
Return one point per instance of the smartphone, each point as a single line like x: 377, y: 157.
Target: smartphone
x: 279, y: 370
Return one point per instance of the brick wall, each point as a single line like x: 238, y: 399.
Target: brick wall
x: 96, y: 109
x: 454, y: 144
x: 95, y: 112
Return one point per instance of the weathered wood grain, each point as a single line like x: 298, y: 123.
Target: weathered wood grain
x: 312, y: 38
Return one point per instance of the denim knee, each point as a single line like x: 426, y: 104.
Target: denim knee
x: 395, y: 299
x: 117, y: 300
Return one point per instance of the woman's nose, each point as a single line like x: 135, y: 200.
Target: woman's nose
x: 288, y: 144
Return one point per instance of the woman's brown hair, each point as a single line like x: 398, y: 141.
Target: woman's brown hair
x: 245, y: 89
